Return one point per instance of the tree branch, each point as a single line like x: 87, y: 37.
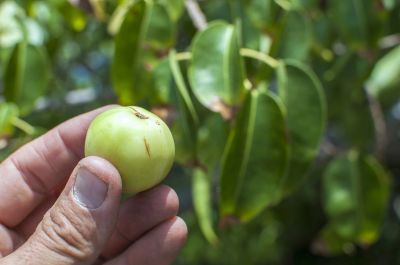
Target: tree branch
x: 198, y: 18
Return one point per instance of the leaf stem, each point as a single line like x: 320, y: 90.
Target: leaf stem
x: 260, y: 56
x: 23, y: 126
x: 183, y: 56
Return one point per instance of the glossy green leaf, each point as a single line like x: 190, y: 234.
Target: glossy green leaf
x: 356, y: 191
x: 216, y: 72
x: 8, y: 112
x: 128, y: 73
x: 182, y: 88
x: 354, y: 31
x: 296, y: 39
x: 255, y: 158
x: 202, y: 201
x: 26, y: 76
x: 302, y: 94
x: 384, y: 81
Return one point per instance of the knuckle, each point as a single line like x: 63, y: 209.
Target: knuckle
x: 69, y: 234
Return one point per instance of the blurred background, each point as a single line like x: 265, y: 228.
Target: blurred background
x: 285, y: 113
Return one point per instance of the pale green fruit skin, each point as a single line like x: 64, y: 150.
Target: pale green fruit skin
x: 137, y: 142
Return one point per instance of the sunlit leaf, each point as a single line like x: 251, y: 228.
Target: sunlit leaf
x: 26, y: 76
x: 302, y: 94
x: 182, y: 88
x: 389, y: 4
x: 128, y: 73
x: 216, y: 73
x: 255, y: 158
x: 8, y: 112
x: 384, y: 81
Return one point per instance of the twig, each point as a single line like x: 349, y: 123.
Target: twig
x: 379, y: 123
x: 195, y: 13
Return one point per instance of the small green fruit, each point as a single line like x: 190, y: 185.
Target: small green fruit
x: 137, y: 142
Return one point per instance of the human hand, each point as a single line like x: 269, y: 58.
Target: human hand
x: 49, y: 215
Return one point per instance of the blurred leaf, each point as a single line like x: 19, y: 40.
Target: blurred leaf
x: 99, y: 7
x: 10, y: 29
x: 162, y: 83
x: 389, y: 4
x: 127, y: 72
x: 375, y: 191
x: 302, y: 4
x: 175, y: 8
x: 202, y: 201
x: 330, y: 243
x: 296, y: 38
x: 262, y: 13
x: 302, y: 94
x: 118, y: 16
x: 161, y: 29
x: 180, y: 83
x: 384, y: 81
x: 8, y: 112
x: 348, y: 104
x: 356, y: 190
x: 26, y: 76
x: 211, y: 139
x: 74, y: 16
x: 342, y: 201
x: 216, y: 73
x: 354, y: 31
x: 255, y: 158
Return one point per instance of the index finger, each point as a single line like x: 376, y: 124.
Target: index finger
x: 35, y: 170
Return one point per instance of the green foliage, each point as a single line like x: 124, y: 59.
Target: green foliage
x: 277, y: 107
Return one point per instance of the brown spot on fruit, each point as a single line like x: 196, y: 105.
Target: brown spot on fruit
x: 138, y: 114
x: 146, y: 144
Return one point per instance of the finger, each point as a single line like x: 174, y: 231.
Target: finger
x: 27, y: 227
x: 160, y: 246
x: 35, y: 170
x: 139, y: 214
x: 9, y: 241
x: 77, y: 227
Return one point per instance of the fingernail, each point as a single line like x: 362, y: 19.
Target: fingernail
x: 89, y: 190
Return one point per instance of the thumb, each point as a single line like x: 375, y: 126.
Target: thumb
x: 76, y: 228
